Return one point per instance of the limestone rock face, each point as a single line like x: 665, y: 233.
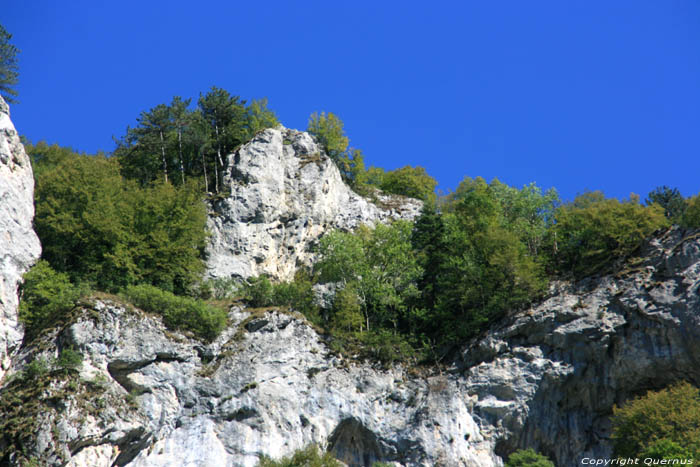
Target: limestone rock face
x: 548, y: 378
x: 268, y: 385
x: 281, y: 194
x: 545, y: 378
x: 19, y: 245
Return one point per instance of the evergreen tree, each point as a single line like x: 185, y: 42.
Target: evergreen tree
x: 180, y: 122
x: 226, y: 118
x: 9, y: 70
x: 670, y: 199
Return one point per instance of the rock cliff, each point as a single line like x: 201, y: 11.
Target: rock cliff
x: 545, y: 378
x: 19, y: 245
x: 281, y: 193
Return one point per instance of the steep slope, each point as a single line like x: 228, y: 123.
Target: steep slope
x: 547, y: 378
x: 281, y: 193
x: 19, y: 245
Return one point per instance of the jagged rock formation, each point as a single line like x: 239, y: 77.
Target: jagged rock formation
x: 281, y: 194
x: 19, y: 245
x: 150, y: 397
x: 547, y: 378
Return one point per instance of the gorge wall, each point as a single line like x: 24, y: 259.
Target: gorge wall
x: 19, y: 245
x: 546, y: 377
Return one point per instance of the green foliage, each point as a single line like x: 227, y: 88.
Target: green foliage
x: 593, y: 230
x: 110, y: 232
x: 347, y: 309
x: 691, y: 216
x: 69, y: 359
x: 666, y: 449
x: 410, y: 181
x: 174, y: 142
x: 528, y: 458
x: 9, y: 70
x: 380, y: 267
x: 297, y: 295
x: 664, y: 423
x: 205, y: 321
x: 46, y: 296
x: 258, y: 292
x: 36, y: 369
x: 307, y: 457
x: 328, y: 130
x: 484, y: 267
x: 387, y: 346
x: 670, y: 199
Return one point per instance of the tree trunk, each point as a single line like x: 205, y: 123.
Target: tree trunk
x: 162, y: 150
x: 204, y: 167
x: 182, y: 166
x: 216, y: 178
x: 218, y: 145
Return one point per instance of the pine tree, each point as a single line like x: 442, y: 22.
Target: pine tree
x: 8, y: 67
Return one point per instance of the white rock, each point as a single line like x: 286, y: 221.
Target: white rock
x: 282, y: 193
x: 19, y: 245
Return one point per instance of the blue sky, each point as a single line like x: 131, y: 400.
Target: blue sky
x: 573, y: 94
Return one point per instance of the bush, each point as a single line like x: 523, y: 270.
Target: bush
x: 662, y: 423
x: 691, y: 216
x: 528, y: 458
x: 46, y: 297
x: 297, y: 294
x: 186, y: 313
x: 307, y: 457
x: 36, y: 369
x: 69, y: 359
x: 387, y: 346
x: 593, y: 231
x: 258, y: 292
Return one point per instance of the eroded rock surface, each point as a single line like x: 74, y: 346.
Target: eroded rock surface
x: 268, y: 385
x: 19, y: 245
x: 281, y: 193
x: 547, y: 378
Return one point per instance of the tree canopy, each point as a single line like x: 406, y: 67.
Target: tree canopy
x: 174, y: 142
x: 661, y: 424
x: 110, y: 232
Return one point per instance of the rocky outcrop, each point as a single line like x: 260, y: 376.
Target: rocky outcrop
x: 549, y: 378
x: 268, y: 385
x: 546, y: 378
x: 281, y: 193
x: 19, y: 245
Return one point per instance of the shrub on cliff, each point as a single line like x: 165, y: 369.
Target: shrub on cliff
x: 691, y: 216
x: 528, y: 458
x: 307, y: 457
x: 184, y: 313
x: 46, y: 296
x: 593, y: 230
x: 662, y: 423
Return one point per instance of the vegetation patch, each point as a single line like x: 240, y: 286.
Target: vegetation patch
x: 311, y: 456
x: 205, y: 321
x: 661, y: 424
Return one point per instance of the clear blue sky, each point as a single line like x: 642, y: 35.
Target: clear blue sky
x: 573, y: 94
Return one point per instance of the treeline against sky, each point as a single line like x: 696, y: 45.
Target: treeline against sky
x: 406, y: 290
